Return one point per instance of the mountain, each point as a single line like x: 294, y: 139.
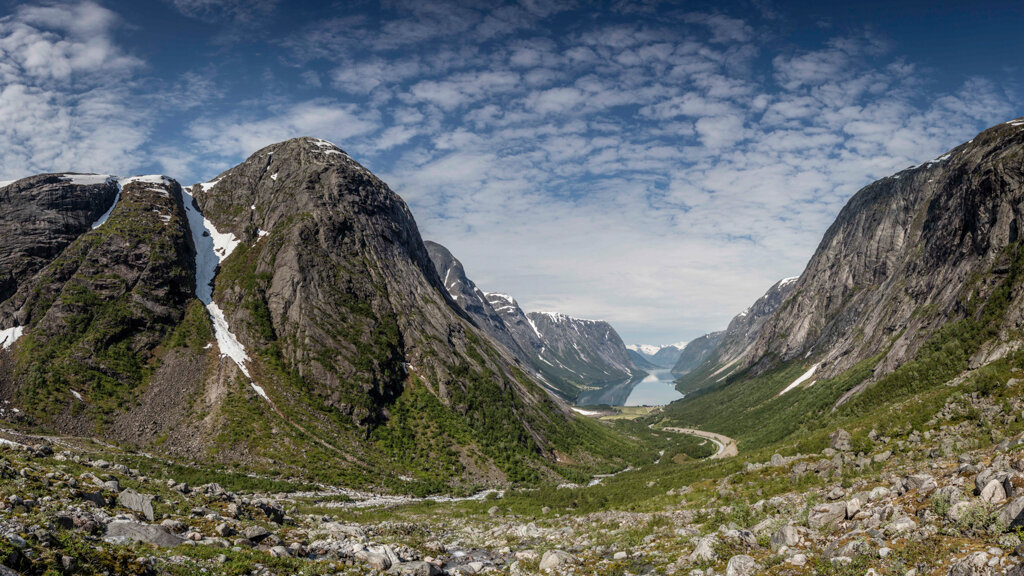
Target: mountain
x: 728, y: 353
x: 285, y: 316
x: 657, y: 356
x: 695, y: 352
x: 640, y: 360
x: 471, y: 299
x: 569, y: 355
x: 908, y: 254
x: 916, y: 284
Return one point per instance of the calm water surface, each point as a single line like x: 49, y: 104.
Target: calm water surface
x: 657, y: 389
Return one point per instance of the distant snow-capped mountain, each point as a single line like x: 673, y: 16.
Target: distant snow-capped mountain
x: 664, y: 356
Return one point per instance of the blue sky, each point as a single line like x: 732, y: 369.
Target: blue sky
x: 655, y: 164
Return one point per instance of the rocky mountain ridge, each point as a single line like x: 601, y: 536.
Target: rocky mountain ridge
x: 728, y: 352
x: 567, y: 354
x: 660, y: 356
x: 906, y: 255
x: 285, y: 309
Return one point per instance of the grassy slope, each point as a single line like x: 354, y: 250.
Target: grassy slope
x: 750, y: 409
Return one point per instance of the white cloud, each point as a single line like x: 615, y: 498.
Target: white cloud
x: 225, y: 138
x: 65, y: 93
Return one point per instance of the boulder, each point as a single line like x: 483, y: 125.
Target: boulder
x: 141, y: 503
x: 785, y: 536
x: 826, y: 515
x: 705, y: 550
x: 555, y: 559
x: 376, y: 560
x: 993, y: 492
x: 255, y: 534
x: 1012, y: 515
x: 122, y: 532
x: 741, y: 565
x: 416, y: 568
x: 840, y: 440
x: 923, y: 483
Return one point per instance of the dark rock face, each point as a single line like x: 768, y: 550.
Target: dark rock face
x: 570, y: 356
x: 40, y: 216
x: 342, y: 290
x: 93, y: 314
x: 895, y: 264
x: 733, y: 346
x: 471, y: 299
x: 696, y: 352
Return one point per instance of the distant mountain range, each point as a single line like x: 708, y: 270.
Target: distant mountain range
x: 656, y: 356
x: 568, y: 355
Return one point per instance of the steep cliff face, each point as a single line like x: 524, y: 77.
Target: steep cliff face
x: 92, y: 316
x: 586, y: 352
x: 41, y: 215
x: 905, y: 256
x: 471, y: 299
x: 286, y: 316
x: 331, y: 273
x: 727, y: 355
x: 569, y: 355
x: 696, y: 352
x: 348, y: 330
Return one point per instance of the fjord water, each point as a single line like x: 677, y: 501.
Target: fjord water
x: 657, y: 389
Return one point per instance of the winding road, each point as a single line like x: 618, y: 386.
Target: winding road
x: 726, y: 446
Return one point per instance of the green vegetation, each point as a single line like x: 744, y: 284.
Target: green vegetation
x: 749, y: 408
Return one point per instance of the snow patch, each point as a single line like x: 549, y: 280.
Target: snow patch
x: 274, y: 176
x: 149, y: 179
x: 212, y: 247
x: 207, y: 185
x: 585, y: 412
x: 103, y: 218
x: 259, y: 390
x: 4, y: 183
x: 534, y: 326
x: 788, y: 281
x: 803, y: 378
x: 9, y: 336
x: 226, y: 341
x: 649, y: 349
x: 88, y: 179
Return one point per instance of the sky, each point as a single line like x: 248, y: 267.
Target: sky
x: 655, y: 164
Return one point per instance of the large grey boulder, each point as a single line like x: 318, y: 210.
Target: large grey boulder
x: 1012, y: 515
x: 826, y: 515
x: 141, y: 503
x: 555, y: 559
x: 785, y: 536
x: 123, y: 532
x: 840, y: 440
x: 416, y: 568
x: 741, y: 565
x: 993, y: 492
x: 705, y: 550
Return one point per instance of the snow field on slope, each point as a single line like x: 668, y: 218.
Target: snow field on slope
x: 212, y: 247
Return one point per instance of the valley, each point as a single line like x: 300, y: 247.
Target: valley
x: 273, y: 373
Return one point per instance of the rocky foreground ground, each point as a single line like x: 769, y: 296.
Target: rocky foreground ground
x: 945, y: 501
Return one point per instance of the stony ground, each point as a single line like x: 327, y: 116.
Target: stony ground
x: 944, y: 501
